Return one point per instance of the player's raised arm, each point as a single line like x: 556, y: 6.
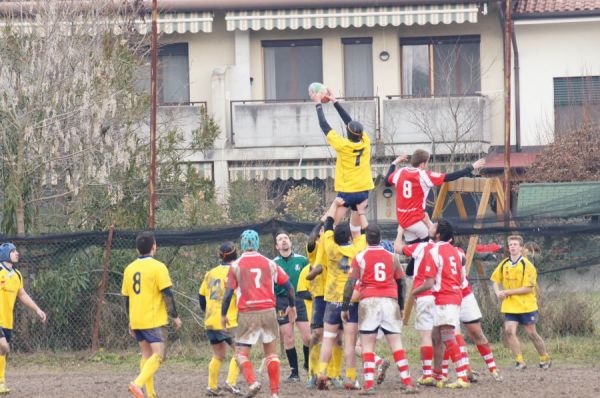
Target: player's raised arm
x: 322, y: 121
x: 464, y: 172
x: 392, y: 169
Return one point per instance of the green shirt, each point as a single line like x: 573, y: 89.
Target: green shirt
x: 292, y: 266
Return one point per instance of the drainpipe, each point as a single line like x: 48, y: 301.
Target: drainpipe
x: 517, y: 87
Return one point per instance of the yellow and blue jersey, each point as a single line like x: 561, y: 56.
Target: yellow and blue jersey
x: 213, y: 288
x: 11, y: 281
x: 353, y: 163
x: 339, y: 262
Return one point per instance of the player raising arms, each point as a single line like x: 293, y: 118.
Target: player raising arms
x: 253, y: 278
x: 412, y: 188
x: 148, y: 295
x: 11, y: 288
x: 210, y: 297
x: 443, y: 273
x: 353, y: 178
x: 380, y: 275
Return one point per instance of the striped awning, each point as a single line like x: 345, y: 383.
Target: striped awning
x: 310, y: 170
x: 193, y: 22
x: 351, y: 17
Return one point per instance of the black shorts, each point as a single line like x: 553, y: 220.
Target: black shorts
x: 6, y: 333
x: 333, y: 313
x: 219, y: 336
x: 351, y: 199
x: 318, y: 313
x: 282, y: 304
x: 154, y: 335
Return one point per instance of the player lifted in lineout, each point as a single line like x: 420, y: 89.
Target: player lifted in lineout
x: 353, y: 178
x: 412, y: 188
x: 253, y: 278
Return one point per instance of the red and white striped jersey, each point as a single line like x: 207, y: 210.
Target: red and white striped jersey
x: 253, y: 276
x: 443, y: 262
x: 412, y: 187
x: 417, y: 252
x: 374, y: 269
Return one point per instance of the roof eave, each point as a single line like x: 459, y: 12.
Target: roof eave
x: 557, y: 15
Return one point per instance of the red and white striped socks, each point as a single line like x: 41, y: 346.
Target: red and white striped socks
x: 445, y: 363
x: 463, y: 350
x: 459, y: 367
x: 402, y: 364
x: 427, y: 361
x: 272, y: 362
x: 488, y: 356
x: 368, y: 369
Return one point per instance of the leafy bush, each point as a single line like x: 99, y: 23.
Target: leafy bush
x: 302, y: 203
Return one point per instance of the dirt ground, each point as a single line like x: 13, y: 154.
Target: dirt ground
x: 183, y: 381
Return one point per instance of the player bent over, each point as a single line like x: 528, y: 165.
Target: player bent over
x: 210, y: 297
x: 253, y: 279
x: 518, y: 277
x: 443, y: 274
x: 380, y: 275
x: 148, y: 295
x: 353, y: 179
x: 11, y: 288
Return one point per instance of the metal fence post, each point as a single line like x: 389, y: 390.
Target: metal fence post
x: 102, y: 289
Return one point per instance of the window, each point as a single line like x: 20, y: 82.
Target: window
x: 173, y: 74
x: 440, y: 66
x: 358, y: 67
x: 290, y: 66
x: 576, y: 102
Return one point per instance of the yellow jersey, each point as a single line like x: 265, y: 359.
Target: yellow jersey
x: 213, y: 288
x: 514, y: 276
x: 353, y: 163
x: 304, y: 286
x: 11, y: 281
x: 143, y: 281
x: 339, y: 262
x: 318, y: 257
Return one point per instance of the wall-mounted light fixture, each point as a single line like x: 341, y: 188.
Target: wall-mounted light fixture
x: 384, y: 55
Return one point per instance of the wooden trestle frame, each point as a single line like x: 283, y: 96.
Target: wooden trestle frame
x: 485, y: 186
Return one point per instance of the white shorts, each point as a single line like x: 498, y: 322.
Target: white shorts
x: 375, y: 313
x: 424, y: 313
x: 447, y: 314
x: 469, y: 310
x: 416, y: 231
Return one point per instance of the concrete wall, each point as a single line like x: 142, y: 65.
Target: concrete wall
x: 289, y: 124
x: 563, y: 48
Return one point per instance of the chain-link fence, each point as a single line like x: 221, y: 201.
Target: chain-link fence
x: 76, y: 278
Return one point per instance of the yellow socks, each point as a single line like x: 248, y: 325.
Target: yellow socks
x: 520, y: 359
x: 150, y: 367
x: 150, y: 383
x: 2, y: 368
x: 313, y: 359
x: 233, y: 372
x: 544, y: 358
x: 213, y: 373
x: 336, y: 361
x: 351, y: 374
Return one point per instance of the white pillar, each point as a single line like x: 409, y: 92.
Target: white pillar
x: 241, y: 74
x: 220, y: 111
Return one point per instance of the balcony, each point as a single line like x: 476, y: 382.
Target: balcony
x: 182, y: 116
x: 442, y: 122
x: 261, y: 123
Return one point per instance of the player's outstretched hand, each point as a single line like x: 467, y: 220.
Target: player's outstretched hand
x: 131, y: 332
x: 178, y: 323
x: 330, y: 96
x: 42, y: 315
x: 339, y: 202
x: 291, y: 314
x: 400, y: 159
x: 224, y: 322
x: 479, y: 164
x: 345, y: 316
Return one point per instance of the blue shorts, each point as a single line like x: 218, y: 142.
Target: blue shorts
x: 6, y: 333
x: 154, y: 335
x: 219, y: 336
x: 318, y: 313
x: 333, y: 313
x: 527, y: 318
x: 351, y: 199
